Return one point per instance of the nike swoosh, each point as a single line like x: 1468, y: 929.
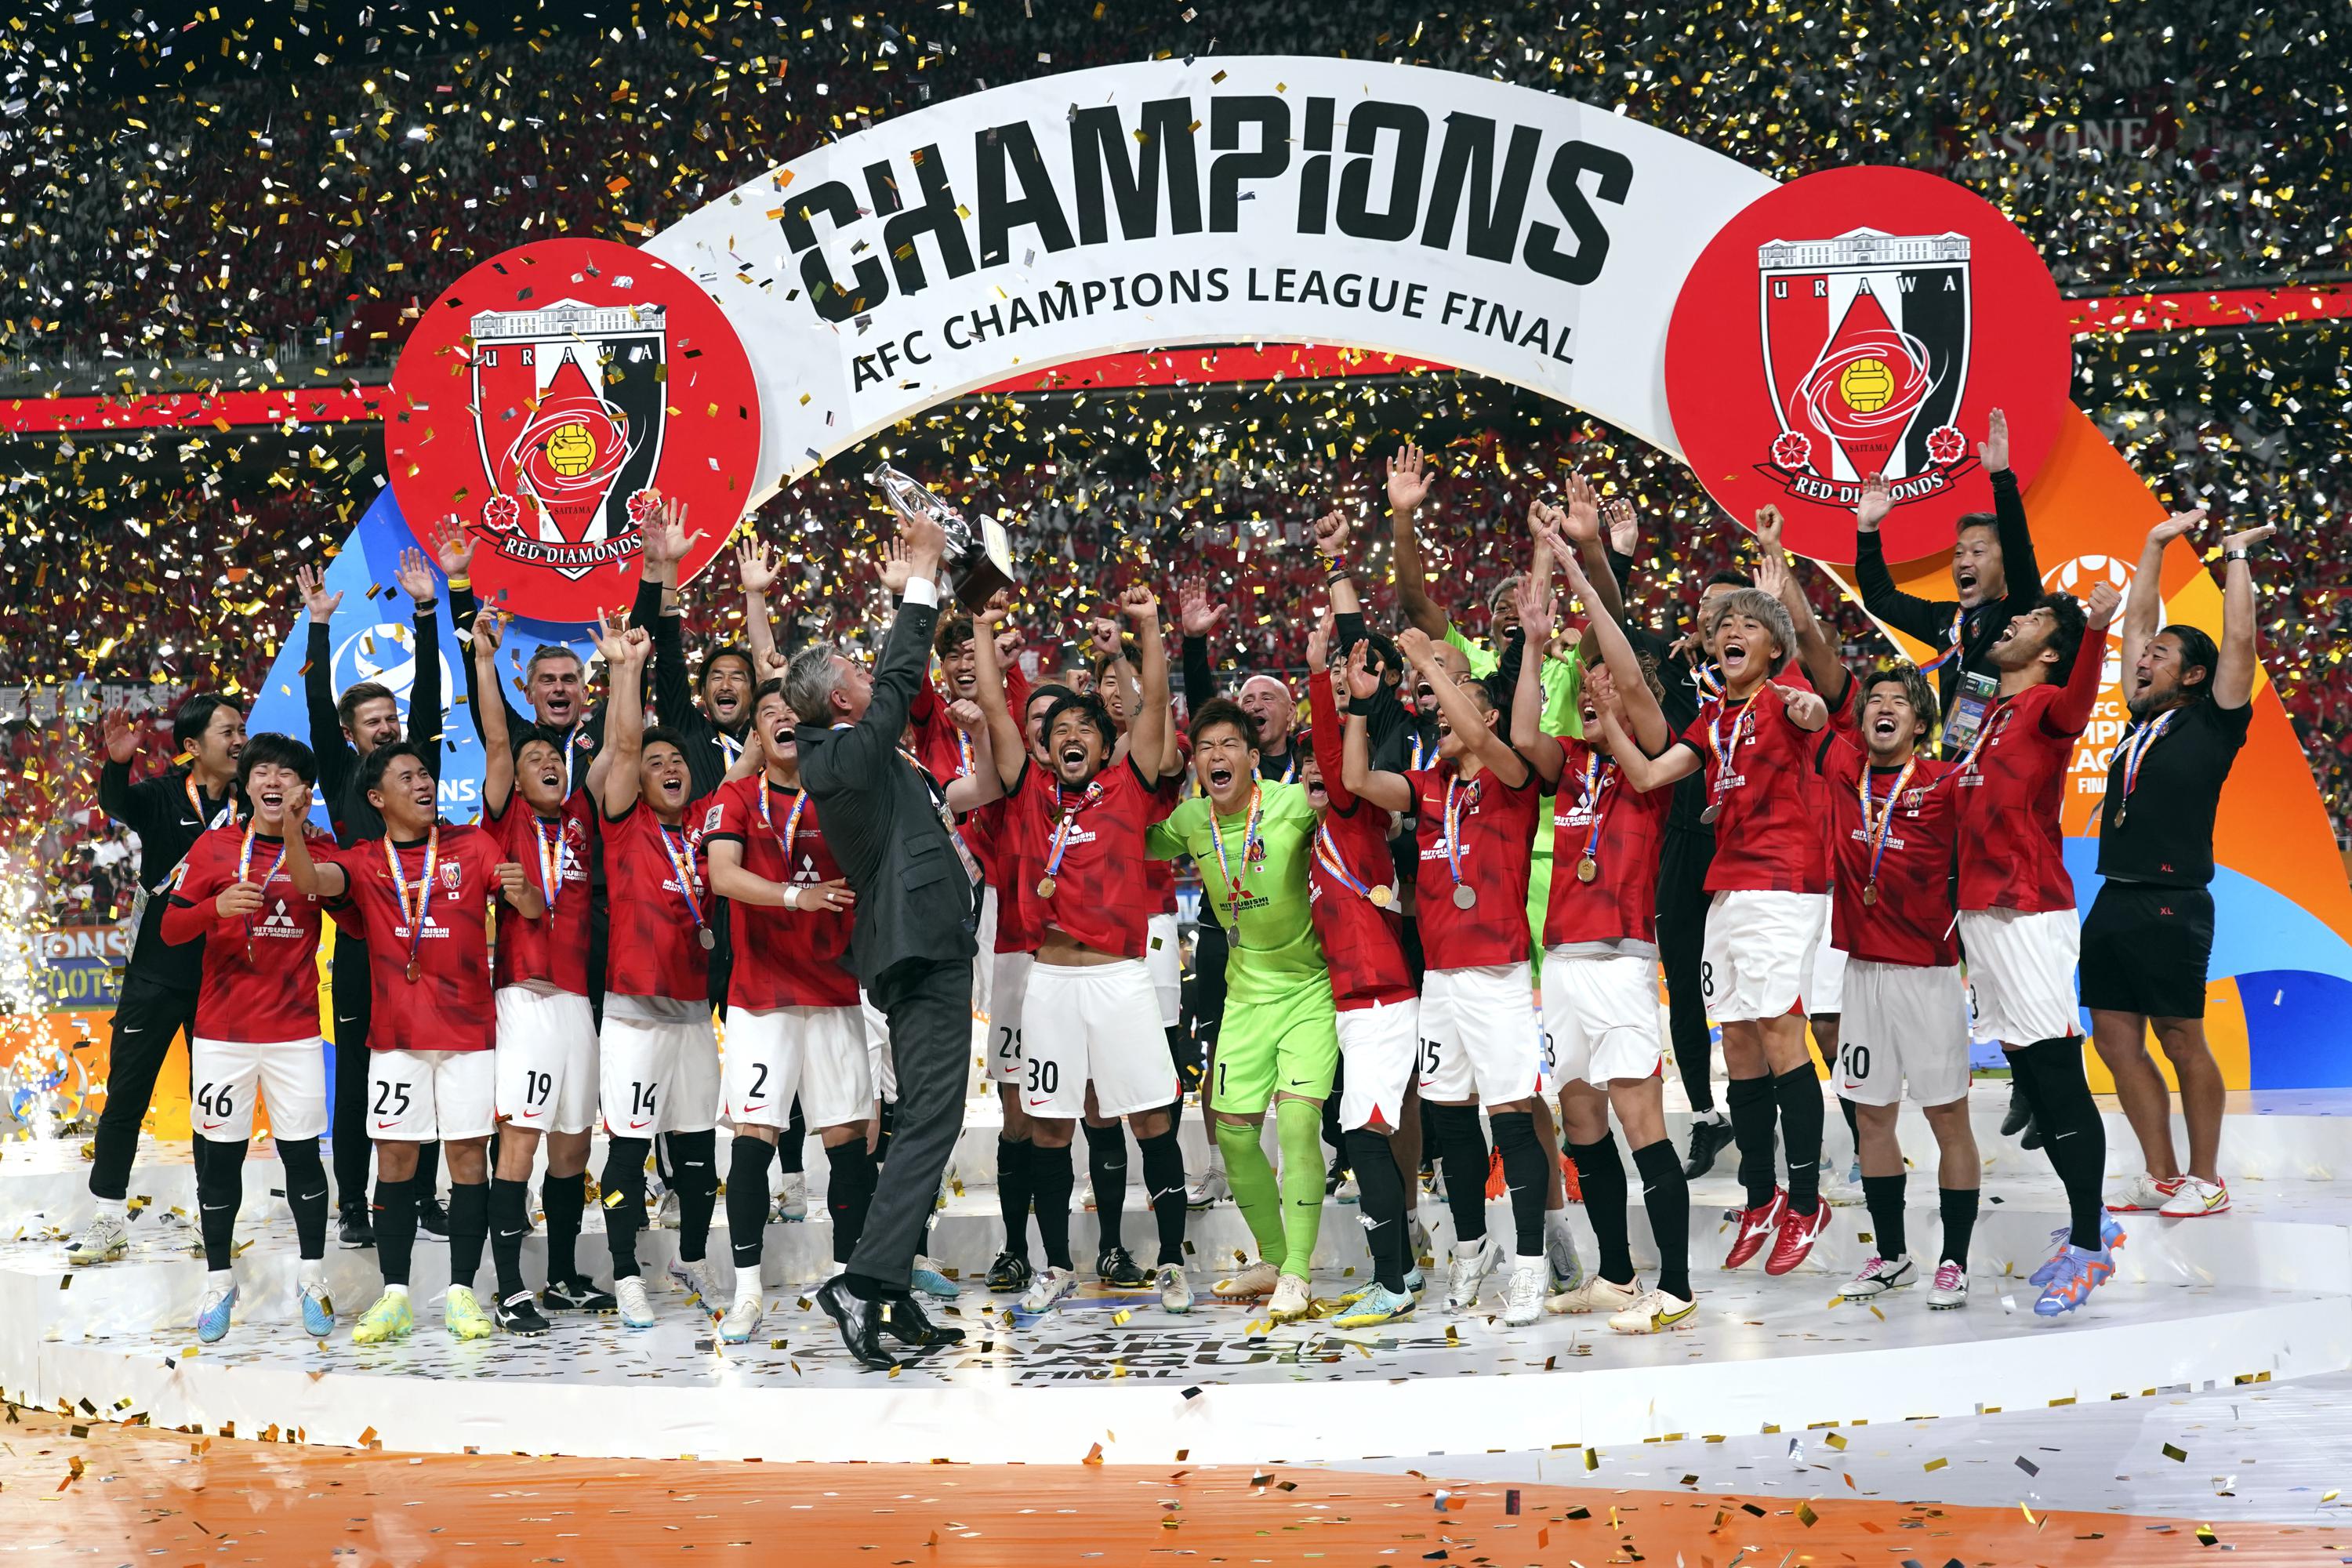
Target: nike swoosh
x: 133, y: 1030
x: 634, y: 1125
x: 382, y: 1125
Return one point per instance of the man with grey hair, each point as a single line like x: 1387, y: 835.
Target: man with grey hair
x: 891, y: 831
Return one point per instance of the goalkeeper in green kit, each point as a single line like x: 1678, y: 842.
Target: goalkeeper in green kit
x: 1253, y: 840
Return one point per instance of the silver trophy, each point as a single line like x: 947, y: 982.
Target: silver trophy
x: 979, y: 561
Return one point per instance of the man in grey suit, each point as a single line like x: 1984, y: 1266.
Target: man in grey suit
x: 886, y: 823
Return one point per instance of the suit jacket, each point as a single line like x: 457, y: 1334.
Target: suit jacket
x: 882, y: 819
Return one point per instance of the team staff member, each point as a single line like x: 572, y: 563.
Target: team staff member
x: 2150, y: 935
x: 162, y: 983
x: 2016, y: 920
x: 421, y: 895
x: 343, y: 731
x: 547, y: 1035
x: 257, y: 1026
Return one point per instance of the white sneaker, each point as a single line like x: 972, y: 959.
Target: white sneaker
x: 1289, y: 1303
x: 2195, y: 1199
x: 102, y: 1240
x: 1209, y: 1187
x: 742, y: 1320
x: 1654, y: 1313
x: 1523, y: 1300
x: 636, y: 1308
x: 1175, y: 1290
x: 2143, y: 1193
x: 792, y: 1197
x: 1950, y: 1289
x: 665, y: 1213
x: 1469, y: 1271
x: 1596, y: 1295
x: 690, y: 1278
x: 1049, y: 1289
x: 1258, y: 1280
x: 1879, y: 1275
x: 1347, y: 1192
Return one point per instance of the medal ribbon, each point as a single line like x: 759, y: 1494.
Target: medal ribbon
x: 1703, y: 676
x: 1327, y: 855
x: 1062, y: 829
x: 415, y: 917
x: 1224, y: 865
x: 196, y: 803
x: 791, y: 823
x: 1875, y: 823
x: 1457, y: 797
x: 243, y: 869
x: 1599, y: 775
x: 732, y: 747
x: 2136, y: 751
x: 681, y: 861
x: 1742, y: 728
x: 1960, y: 617
x: 1421, y: 753
x: 552, y: 859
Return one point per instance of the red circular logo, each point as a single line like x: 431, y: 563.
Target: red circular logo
x: 547, y: 398
x: 1863, y: 322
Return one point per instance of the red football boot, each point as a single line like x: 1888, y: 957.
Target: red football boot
x: 1796, y: 1237
x: 1755, y: 1226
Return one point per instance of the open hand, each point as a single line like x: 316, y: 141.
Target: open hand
x: 453, y: 547
x: 1363, y: 682
x: 1877, y: 500
x: 122, y: 741
x: 239, y: 899
x: 1409, y: 478
x: 414, y: 575
x: 311, y: 581
x: 755, y: 565
x: 1993, y: 450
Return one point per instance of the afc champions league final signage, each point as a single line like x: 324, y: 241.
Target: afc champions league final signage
x: 1787, y: 341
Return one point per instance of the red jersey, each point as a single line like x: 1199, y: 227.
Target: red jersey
x: 1908, y: 919
x: 1621, y: 899
x: 1499, y: 827
x: 1160, y: 876
x: 1768, y: 835
x: 656, y: 948
x: 447, y: 1006
x: 261, y: 971
x: 783, y: 958
x: 1362, y: 942
x: 1101, y: 895
x: 2011, y: 784
x: 985, y: 832
x: 551, y: 951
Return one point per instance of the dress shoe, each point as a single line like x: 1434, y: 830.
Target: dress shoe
x: 905, y: 1321
x: 860, y: 1320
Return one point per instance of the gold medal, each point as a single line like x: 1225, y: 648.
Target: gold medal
x: 1044, y: 887
x: 1383, y: 895
x: 1464, y: 896
x: 1587, y: 868
x: 413, y: 970
x: 1869, y: 894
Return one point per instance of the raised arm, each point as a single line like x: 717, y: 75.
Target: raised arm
x: 1631, y: 682
x: 1643, y: 771
x: 967, y: 792
x: 755, y: 569
x: 666, y: 543
x: 1197, y: 616
x: 2019, y: 567
x: 1542, y: 751
x: 1147, y: 735
x: 416, y: 580
x: 336, y: 762
x: 1776, y: 574
x: 1390, y: 792
x: 116, y: 796
x: 2071, y: 714
x: 1409, y: 480
x: 625, y: 650
x: 2145, y: 603
x: 1004, y: 741
x: 2233, y: 682
x: 1580, y: 525
x: 1326, y: 729
x: 498, y: 746
x: 1930, y: 620
x: 314, y: 879
x: 1470, y: 725
x: 1383, y: 714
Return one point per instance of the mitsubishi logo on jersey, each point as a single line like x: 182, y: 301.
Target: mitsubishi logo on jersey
x: 278, y: 922
x: 1440, y: 849
x: 1893, y: 840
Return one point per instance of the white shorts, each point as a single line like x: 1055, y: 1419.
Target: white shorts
x: 1825, y: 990
x: 983, y: 976
x: 1379, y: 1049
x: 1091, y: 1024
x: 226, y: 1073
x: 1757, y: 954
x: 879, y: 1060
x: 2020, y: 974
x: 1903, y: 1025
x: 1480, y: 1038
x: 659, y: 1078
x: 1008, y: 986
x: 816, y: 1053
x: 1600, y: 1016
x: 1164, y: 961
x: 415, y: 1097
x: 546, y: 1060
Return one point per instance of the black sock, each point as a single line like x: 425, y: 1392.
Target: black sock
x: 887, y: 1118
x: 1753, y: 1114
x: 1013, y: 1194
x: 1852, y: 1124
x: 848, y: 1194
x: 1107, y: 1168
x: 1601, y: 1173
x: 1665, y: 1194
x: 1959, y: 1206
x: 1799, y: 1094
x: 747, y: 1200
x: 1883, y: 1194
x: 2072, y: 1133
x: 510, y: 1223
x: 1052, y: 1179
x: 220, y: 1192
x: 1163, y: 1183
x: 1526, y: 1172
x: 469, y: 1227
x: 395, y: 1229
x: 624, y: 1202
x: 561, y: 1200
x: 791, y: 1157
x: 694, y: 1176
x: 1380, y: 1205
x: 427, y: 1178
x: 1461, y: 1144
x: 306, y: 1195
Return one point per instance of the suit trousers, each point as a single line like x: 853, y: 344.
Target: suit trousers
x: 928, y: 1005
x: 146, y: 1018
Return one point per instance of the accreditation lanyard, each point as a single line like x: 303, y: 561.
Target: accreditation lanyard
x: 681, y: 862
x: 1062, y: 831
x: 1327, y: 855
x: 1235, y: 891
x: 1703, y: 676
x: 226, y: 812
x: 1960, y: 617
x: 1877, y: 818
x: 415, y: 917
x: 244, y: 874
x: 2136, y: 750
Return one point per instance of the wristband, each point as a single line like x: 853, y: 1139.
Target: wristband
x: 1336, y: 575
x: 791, y: 896
x: 2236, y: 555
x: 461, y: 584
x: 427, y: 606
